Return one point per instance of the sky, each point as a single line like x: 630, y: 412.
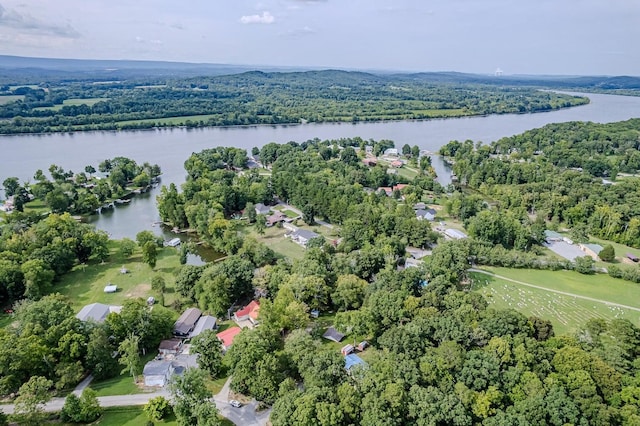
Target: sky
x: 568, y: 37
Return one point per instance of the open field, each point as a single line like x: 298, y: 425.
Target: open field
x: 85, y: 283
x: 566, y: 312
x: 274, y: 239
x: 72, y: 102
x: 37, y: 206
x: 5, y: 99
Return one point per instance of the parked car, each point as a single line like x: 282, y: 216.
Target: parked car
x: 235, y: 403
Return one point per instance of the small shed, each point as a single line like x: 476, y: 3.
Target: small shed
x: 362, y: 345
x: 347, y: 349
x: 110, y: 288
x: 314, y: 313
x: 174, y: 242
x: 333, y: 334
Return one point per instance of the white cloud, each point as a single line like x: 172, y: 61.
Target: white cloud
x: 265, y: 18
x: 28, y: 24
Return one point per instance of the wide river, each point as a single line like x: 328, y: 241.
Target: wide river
x: 22, y: 155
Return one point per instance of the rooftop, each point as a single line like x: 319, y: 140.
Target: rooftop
x: 228, y: 335
x: 187, y: 321
x: 352, y: 360
x: 206, y: 322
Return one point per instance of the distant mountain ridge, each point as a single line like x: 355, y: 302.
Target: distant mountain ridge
x: 77, y: 69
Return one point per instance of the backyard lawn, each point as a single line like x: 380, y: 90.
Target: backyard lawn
x: 85, y: 283
x: 122, y: 384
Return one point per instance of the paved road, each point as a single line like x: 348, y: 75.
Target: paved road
x: 591, y: 299
x: 105, y: 401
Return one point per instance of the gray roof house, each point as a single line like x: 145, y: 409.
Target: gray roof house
x: 428, y: 214
x: 206, y: 322
x: 262, y: 209
x: 157, y: 373
x: 186, y: 322
x: 302, y: 236
x: 97, y: 312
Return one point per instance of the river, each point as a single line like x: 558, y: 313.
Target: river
x: 22, y: 155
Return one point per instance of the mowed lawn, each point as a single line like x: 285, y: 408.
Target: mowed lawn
x: 5, y: 99
x: 127, y: 416
x: 73, y: 102
x: 567, y: 313
x: 85, y: 283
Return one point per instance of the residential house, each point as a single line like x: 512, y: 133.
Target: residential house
x: 275, y: 218
x: 592, y: 250
x: 226, y: 337
x: 371, y: 162
x: 391, y: 151
x: 396, y: 164
x: 454, y: 234
x: 302, y: 236
x: 386, y: 189
x: 157, y: 372
x: 426, y: 214
x: 97, y: 312
x: 419, y: 206
x: 262, y: 209
x: 170, y: 347
x: 248, y: 313
x: 205, y: 322
x: 186, y: 322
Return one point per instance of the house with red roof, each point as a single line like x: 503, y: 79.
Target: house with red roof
x: 227, y: 336
x: 249, y: 312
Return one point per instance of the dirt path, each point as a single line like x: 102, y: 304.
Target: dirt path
x: 577, y: 296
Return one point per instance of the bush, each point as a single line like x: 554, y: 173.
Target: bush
x: 607, y: 254
x: 157, y: 408
x: 85, y: 409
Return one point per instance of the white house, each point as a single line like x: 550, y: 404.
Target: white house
x: 302, y: 236
x: 97, y: 312
x: 157, y: 373
x: 426, y: 214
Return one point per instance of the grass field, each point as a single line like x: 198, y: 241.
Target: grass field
x: 72, y: 102
x: 37, y: 206
x: 274, y: 238
x: 567, y: 313
x: 85, y: 283
x: 127, y: 416
x: 5, y: 99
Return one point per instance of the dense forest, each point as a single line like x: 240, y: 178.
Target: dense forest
x: 257, y: 98
x: 578, y: 174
